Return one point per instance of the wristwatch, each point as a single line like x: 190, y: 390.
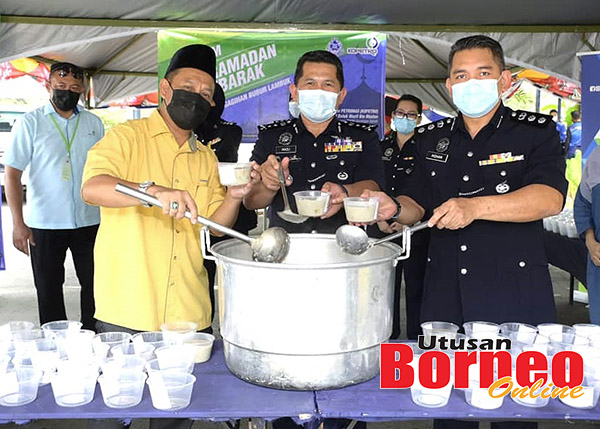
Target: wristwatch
x: 143, y: 187
x: 394, y: 217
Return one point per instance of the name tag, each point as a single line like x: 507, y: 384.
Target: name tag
x: 436, y: 156
x: 285, y: 149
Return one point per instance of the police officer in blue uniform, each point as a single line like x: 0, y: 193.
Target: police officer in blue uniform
x: 398, y: 154
x: 490, y: 175
x: 317, y: 150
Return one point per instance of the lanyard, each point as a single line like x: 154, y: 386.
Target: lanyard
x: 68, y: 143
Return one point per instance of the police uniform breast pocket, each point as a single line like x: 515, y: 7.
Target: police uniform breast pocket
x: 340, y: 167
x: 503, y: 177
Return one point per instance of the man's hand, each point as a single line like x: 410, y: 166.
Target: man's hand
x: 175, y: 202
x: 594, y: 248
x: 336, y: 200
x: 239, y: 192
x: 268, y: 171
x: 387, y: 206
x: 455, y: 213
x: 22, y: 238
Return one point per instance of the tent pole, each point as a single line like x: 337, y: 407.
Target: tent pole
x: 119, y: 53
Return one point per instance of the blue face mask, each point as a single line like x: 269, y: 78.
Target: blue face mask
x: 294, y: 109
x: 404, y: 125
x: 475, y: 97
x: 317, y: 105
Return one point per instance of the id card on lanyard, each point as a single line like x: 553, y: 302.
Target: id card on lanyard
x: 66, y: 170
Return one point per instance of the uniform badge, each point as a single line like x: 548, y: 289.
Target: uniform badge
x: 522, y: 116
x: 342, y: 175
x: 531, y: 118
x: 408, y: 170
x: 388, y: 152
x: 331, y: 157
x: 430, y: 127
x: 285, y: 139
x: 541, y: 120
x: 442, y: 145
x: 421, y: 130
x: 502, y: 188
x: 440, y: 124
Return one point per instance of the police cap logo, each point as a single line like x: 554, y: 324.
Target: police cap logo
x: 388, y: 152
x: 342, y: 175
x: 442, y: 145
x: 285, y: 138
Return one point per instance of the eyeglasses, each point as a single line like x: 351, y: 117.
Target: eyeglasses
x: 64, y: 69
x: 410, y: 115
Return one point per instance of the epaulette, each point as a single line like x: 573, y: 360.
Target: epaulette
x: 366, y: 127
x: 531, y: 118
x: 276, y: 124
x: 434, y: 125
x: 224, y: 122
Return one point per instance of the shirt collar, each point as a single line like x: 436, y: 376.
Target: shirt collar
x: 157, y: 126
x: 334, y: 127
x: 495, y: 122
x: 49, y: 108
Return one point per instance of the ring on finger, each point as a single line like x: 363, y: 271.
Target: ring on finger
x: 174, y: 205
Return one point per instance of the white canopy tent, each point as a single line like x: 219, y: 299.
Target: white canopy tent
x: 116, y: 40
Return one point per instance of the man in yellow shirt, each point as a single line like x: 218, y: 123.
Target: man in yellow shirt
x: 149, y: 266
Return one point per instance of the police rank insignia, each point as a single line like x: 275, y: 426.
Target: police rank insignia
x: 285, y: 139
x: 501, y: 158
x: 342, y: 175
x: 388, y: 152
x: 502, y: 188
x: 442, y: 145
x: 343, y: 145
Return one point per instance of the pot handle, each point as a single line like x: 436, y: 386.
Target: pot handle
x: 205, y: 244
x: 405, y: 247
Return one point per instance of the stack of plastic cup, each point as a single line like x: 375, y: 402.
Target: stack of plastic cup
x: 74, y: 383
x: 539, y: 343
x: 19, y: 386
x: 481, y: 330
x: 424, y: 396
x: 176, y: 356
x: 107, y: 341
x: 586, y: 329
x: 123, y: 387
x: 45, y: 358
x: 548, y: 329
x: 170, y: 390
x: 438, y: 329
x: 519, y: 332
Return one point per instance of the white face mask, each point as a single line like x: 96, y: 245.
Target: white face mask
x: 476, y: 97
x: 294, y: 109
x: 317, y: 105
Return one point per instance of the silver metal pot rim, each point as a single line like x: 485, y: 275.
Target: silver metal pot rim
x: 342, y: 265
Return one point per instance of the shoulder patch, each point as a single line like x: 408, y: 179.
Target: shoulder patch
x: 366, y: 127
x: 223, y: 122
x: 434, y: 125
x: 276, y: 124
x: 531, y: 118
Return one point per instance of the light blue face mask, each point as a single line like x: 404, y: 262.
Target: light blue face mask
x: 404, y: 125
x: 317, y: 105
x: 475, y: 97
x: 294, y: 109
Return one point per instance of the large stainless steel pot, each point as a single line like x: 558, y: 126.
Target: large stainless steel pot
x: 313, y: 322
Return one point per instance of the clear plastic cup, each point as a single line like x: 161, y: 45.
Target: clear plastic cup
x: 234, y: 173
x: 122, y: 390
x: 586, y: 329
x: 24, y: 341
x: 180, y: 356
x: 594, y: 340
x: 19, y: 386
x: 203, y: 344
x: 361, y: 210
x: 110, y: 339
x: 312, y: 203
x: 73, y: 384
x: 548, y: 329
x: 123, y: 362
x: 438, y: 329
x: 70, y: 326
x: 519, y: 331
x: 591, y: 381
x: 566, y: 341
x: 153, y: 365
x: 477, y: 329
x: 79, y: 345
x: 170, y: 390
x: 8, y: 330
x: 178, y: 331
x: 142, y: 350
x: 154, y: 338
x: 428, y: 397
x: 479, y: 397
x: 45, y: 358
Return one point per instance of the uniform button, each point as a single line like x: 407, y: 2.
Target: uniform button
x: 522, y: 264
x: 314, y: 231
x: 395, y: 165
x: 428, y: 259
x: 312, y: 186
x: 503, y: 173
x: 176, y: 180
x: 393, y: 176
x: 470, y: 154
x: 175, y: 257
x: 393, y: 189
x: 463, y: 271
x: 342, y: 162
x: 463, y: 248
x: 177, y: 231
x: 172, y: 284
x: 313, y: 164
x: 433, y: 173
x: 465, y: 178
x: 315, y: 144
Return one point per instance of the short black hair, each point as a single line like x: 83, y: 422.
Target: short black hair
x: 320, y: 57
x: 413, y: 99
x: 575, y: 115
x: 554, y: 111
x: 478, y: 41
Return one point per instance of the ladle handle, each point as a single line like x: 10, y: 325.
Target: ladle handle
x: 142, y: 196
x: 411, y: 230
x: 286, y: 202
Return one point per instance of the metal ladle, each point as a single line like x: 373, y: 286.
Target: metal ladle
x: 355, y: 241
x: 287, y: 214
x: 272, y: 245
